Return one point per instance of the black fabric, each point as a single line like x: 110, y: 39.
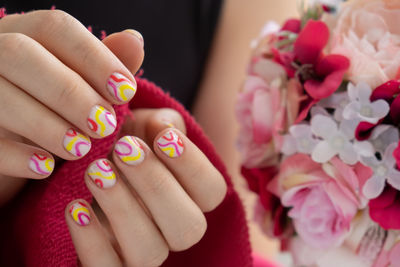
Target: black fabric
x: 177, y: 33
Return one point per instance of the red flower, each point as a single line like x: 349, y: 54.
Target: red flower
x: 273, y: 211
x: 385, y: 209
x: 396, y: 155
x: 322, y: 75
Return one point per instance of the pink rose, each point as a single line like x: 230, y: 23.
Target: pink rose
x: 368, y: 33
x: 323, y: 198
x: 265, y: 108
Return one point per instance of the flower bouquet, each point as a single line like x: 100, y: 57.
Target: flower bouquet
x: 320, y: 117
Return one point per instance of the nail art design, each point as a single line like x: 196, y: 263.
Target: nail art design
x: 76, y: 143
x: 102, y: 174
x: 41, y: 164
x: 80, y: 213
x: 121, y: 87
x: 101, y: 121
x: 171, y: 144
x: 129, y: 150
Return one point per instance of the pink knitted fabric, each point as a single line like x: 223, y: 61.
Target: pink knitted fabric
x: 34, y: 232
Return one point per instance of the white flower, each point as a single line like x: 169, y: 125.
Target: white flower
x: 334, y: 141
x: 337, y: 101
x: 361, y: 107
x: 299, y: 140
x: 384, y: 170
x: 382, y: 136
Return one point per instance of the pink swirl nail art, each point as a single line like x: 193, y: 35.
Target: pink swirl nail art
x: 171, y: 144
x: 121, y: 87
x: 102, y: 174
x: 101, y: 121
x: 129, y: 150
x: 80, y: 213
x: 41, y: 164
x: 76, y: 143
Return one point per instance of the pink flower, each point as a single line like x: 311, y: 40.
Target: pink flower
x: 367, y: 33
x: 323, y: 198
x: 265, y: 108
x: 389, y: 257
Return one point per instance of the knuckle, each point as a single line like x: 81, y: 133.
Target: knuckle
x: 191, y: 235
x: 68, y: 91
x: 157, y: 185
x: 52, y: 22
x: 11, y: 45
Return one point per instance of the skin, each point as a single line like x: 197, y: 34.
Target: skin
x: 224, y: 71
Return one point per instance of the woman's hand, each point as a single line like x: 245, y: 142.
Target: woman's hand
x: 57, y: 84
x: 153, y: 196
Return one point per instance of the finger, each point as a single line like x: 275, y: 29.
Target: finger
x: 32, y: 68
x: 147, y: 123
x: 161, y: 193
x: 73, y: 44
x: 20, y: 160
x: 191, y: 167
x: 23, y: 115
x: 90, y: 241
x: 125, y: 46
x: 141, y: 242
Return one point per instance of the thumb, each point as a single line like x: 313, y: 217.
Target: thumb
x: 128, y: 47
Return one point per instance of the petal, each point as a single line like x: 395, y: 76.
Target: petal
x: 263, y: 117
x: 300, y: 130
x: 323, y: 152
x: 348, y: 154
x: 310, y: 42
x: 292, y: 25
x: 318, y: 110
x: 370, y: 161
x: 323, y: 126
x: 332, y: 63
x: 348, y: 128
x: 364, y: 148
x: 364, y: 92
x: 394, y: 179
x: 380, y: 109
x: 385, y: 199
x: 386, y: 91
x: 319, y: 90
x: 352, y: 92
x: 388, y: 157
x: 395, y: 110
x: 374, y: 187
x: 289, y: 145
x: 352, y: 110
x: 306, y: 105
x: 364, y: 130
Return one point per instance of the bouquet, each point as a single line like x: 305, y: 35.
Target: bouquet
x: 320, y: 116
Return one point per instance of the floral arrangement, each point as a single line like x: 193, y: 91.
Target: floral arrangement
x: 320, y: 117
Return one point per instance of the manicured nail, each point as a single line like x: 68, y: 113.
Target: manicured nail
x: 129, y: 150
x: 76, y: 143
x: 80, y: 213
x: 41, y: 164
x: 136, y: 34
x: 171, y: 144
x: 102, y: 174
x: 121, y: 87
x: 101, y: 121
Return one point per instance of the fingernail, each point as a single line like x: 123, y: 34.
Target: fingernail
x: 137, y: 34
x: 102, y: 174
x: 80, y: 213
x: 76, y: 143
x: 171, y: 144
x: 120, y: 87
x: 101, y: 121
x: 41, y: 164
x: 129, y: 150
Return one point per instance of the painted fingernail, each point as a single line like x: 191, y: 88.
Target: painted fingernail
x: 101, y: 121
x: 129, y: 150
x: 41, y: 164
x: 171, y: 144
x: 121, y: 87
x: 76, y: 143
x: 80, y: 213
x: 102, y: 174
